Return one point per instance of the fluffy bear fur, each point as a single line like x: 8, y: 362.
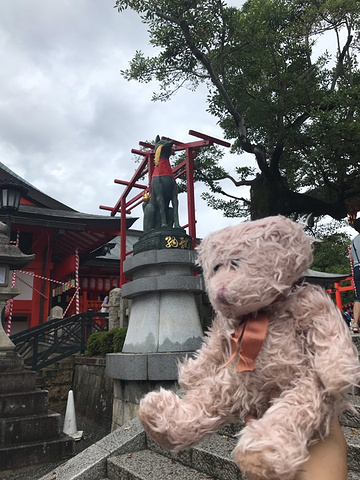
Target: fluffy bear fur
x: 307, y: 357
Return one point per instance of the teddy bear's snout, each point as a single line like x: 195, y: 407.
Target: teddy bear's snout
x: 221, y: 295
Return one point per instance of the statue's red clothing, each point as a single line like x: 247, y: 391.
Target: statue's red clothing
x: 163, y: 169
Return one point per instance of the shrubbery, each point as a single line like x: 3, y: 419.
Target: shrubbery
x: 101, y: 343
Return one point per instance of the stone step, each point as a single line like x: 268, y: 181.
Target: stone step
x: 32, y: 428
x: 353, y: 475
x: 18, y: 456
x: 149, y: 465
x: 17, y: 381
x: 23, y: 404
x: 210, y: 459
x: 128, y: 447
x: 352, y: 436
x: 352, y: 419
x: 211, y: 456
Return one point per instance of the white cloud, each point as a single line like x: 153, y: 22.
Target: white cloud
x: 68, y: 120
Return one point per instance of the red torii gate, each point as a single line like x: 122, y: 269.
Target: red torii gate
x: 124, y: 206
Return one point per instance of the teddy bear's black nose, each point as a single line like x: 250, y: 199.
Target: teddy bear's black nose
x: 221, y: 295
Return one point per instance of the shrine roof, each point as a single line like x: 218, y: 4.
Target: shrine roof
x: 313, y: 276
x: 73, y: 229
x: 33, y: 194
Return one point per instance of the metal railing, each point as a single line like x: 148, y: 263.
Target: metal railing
x: 59, y: 338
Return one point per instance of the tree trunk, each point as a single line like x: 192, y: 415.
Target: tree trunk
x: 269, y: 196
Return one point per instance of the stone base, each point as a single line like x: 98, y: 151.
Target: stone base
x: 136, y: 374
x: 127, y: 395
x: 163, y: 238
x: 144, y: 366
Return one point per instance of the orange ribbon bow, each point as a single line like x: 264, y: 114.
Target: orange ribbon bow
x: 247, y: 340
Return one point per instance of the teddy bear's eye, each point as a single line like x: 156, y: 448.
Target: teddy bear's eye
x: 216, y: 268
x: 234, y: 263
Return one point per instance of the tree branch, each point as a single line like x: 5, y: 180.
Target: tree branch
x: 240, y: 183
x: 202, y: 58
x: 340, y: 61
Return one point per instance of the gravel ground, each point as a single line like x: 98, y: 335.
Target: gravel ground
x: 92, y: 433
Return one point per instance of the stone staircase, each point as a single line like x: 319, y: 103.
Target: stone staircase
x: 29, y: 431
x: 129, y: 454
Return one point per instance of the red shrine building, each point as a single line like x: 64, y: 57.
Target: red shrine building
x: 76, y: 257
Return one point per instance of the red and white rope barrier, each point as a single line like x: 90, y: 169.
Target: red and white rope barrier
x: 41, y: 278
x: 72, y: 298
x: 10, y: 302
x: 77, y: 283
x: 76, y: 296
x: 10, y: 305
x: 352, y: 269
x: 31, y: 286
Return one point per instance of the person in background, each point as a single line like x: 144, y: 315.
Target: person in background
x: 106, y: 302
x: 346, y: 316
x: 355, y: 257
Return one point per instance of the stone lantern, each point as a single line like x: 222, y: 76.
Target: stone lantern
x: 11, y: 258
x: 30, y: 432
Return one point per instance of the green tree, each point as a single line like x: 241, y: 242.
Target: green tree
x: 331, y: 254
x: 296, y: 111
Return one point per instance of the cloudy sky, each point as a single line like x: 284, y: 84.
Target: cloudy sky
x: 68, y: 120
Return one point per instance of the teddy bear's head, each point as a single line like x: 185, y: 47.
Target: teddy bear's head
x: 249, y: 266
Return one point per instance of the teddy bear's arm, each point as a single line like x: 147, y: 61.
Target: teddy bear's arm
x: 335, y: 357
x: 177, y: 423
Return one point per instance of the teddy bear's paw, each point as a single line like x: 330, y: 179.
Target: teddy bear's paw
x: 254, y: 466
x: 152, y: 430
x: 153, y: 415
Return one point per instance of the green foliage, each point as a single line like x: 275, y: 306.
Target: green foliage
x: 207, y: 168
x: 263, y: 69
x: 101, y: 343
x: 331, y: 255
x: 119, y: 339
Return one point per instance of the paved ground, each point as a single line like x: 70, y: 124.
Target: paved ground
x: 92, y: 433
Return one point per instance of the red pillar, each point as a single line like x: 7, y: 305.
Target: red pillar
x: 190, y: 155
x: 338, y: 298
x: 122, y: 240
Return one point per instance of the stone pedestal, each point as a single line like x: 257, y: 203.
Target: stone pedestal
x: 163, y: 238
x: 164, y: 315
x: 164, y: 324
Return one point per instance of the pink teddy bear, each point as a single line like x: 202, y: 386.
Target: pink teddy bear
x: 271, y: 332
